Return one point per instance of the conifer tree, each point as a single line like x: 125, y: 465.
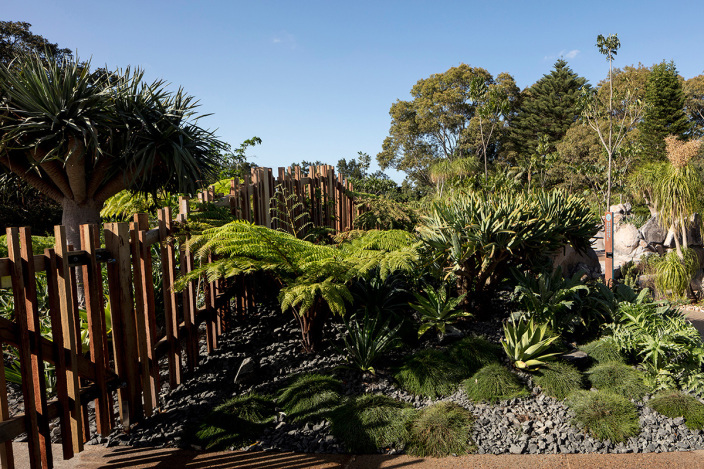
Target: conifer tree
x: 664, y: 113
x: 549, y: 108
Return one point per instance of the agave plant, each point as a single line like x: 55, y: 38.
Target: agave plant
x: 437, y: 310
x: 527, y: 344
x: 366, y: 341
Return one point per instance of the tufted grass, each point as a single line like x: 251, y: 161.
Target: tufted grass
x: 430, y: 373
x: 603, y: 350
x: 440, y: 430
x: 675, y: 404
x: 370, y: 422
x: 605, y: 415
x: 310, y: 397
x: 494, y: 382
x: 238, y: 422
x: 558, y: 379
x: 474, y: 352
x: 618, y: 378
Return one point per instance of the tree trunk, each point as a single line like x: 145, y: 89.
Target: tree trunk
x: 75, y: 215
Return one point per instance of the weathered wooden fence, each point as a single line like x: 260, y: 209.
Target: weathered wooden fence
x: 126, y: 365
x: 261, y: 198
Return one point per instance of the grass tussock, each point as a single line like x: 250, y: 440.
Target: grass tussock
x: 603, y: 350
x: 473, y: 352
x: 605, y: 415
x: 620, y: 379
x: 493, y: 383
x: 310, y: 397
x: 430, y: 373
x: 675, y: 404
x: 440, y: 430
x: 370, y: 422
x: 558, y: 379
x: 236, y: 423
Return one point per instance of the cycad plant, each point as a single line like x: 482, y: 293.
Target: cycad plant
x: 437, y: 310
x: 314, y: 279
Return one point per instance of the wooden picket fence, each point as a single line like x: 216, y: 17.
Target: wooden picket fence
x: 261, y: 198
x: 129, y: 365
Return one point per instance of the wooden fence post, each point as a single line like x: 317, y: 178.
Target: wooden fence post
x: 117, y: 241
x: 189, y: 296
x: 92, y: 287
x: 68, y: 329
x: 170, y: 303
x: 27, y: 318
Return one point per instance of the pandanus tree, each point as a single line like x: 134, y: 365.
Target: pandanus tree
x: 314, y: 279
x: 82, y: 137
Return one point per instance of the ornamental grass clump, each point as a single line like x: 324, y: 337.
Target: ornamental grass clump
x: 440, y: 430
x: 620, y: 379
x: 370, y: 422
x: 494, y: 383
x: 603, y: 350
x: 310, y: 397
x: 474, y: 352
x: 236, y: 423
x: 604, y: 415
x: 675, y: 404
x: 430, y: 373
x: 558, y: 379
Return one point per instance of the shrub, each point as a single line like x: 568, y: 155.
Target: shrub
x: 479, y: 234
x: 440, y: 430
x: 550, y: 298
x: 365, y: 342
x: 526, y: 344
x: 237, y: 422
x: 675, y: 404
x: 605, y: 415
x: 437, y: 310
x: 310, y: 397
x: 675, y: 274
x: 369, y: 422
x: 430, y: 373
x: 618, y: 378
x: 664, y: 342
x: 558, y: 379
x: 474, y: 352
x: 603, y: 350
x: 494, y: 383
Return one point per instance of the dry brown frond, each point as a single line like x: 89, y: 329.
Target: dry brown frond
x: 680, y: 153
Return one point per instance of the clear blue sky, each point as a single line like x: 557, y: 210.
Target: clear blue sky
x: 315, y: 79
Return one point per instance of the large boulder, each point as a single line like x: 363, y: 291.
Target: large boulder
x: 572, y: 261
x: 652, y: 232
x: 626, y: 238
x: 623, y: 209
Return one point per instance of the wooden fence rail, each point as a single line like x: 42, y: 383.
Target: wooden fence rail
x: 125, y: 361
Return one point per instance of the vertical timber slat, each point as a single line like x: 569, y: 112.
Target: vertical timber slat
x: 170, y: 303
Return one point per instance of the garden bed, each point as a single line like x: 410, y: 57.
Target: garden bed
x: 270, y: 341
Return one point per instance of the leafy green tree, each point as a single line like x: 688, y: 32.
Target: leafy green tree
x: 694, y: 104
x: 357, y: 172
x: 664, y: 114
x: 81, y: 138
x: 493, y: 105
x: 16, y: 39
x: 549, y: 107
x: 600, y: 113
x: 434, y: 124
x: 234, y: 162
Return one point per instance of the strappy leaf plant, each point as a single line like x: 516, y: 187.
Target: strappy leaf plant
x: 367, y: 340
x: 476, y: 235
x: 437, y: 310
x: 527, y: 344
x: 314, y: 278
x: 550, y: 298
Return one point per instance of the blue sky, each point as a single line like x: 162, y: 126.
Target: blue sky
x: 315, y: 79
